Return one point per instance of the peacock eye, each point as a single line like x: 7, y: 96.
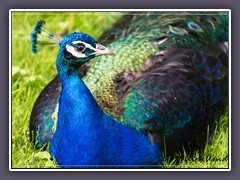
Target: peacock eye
x: 195, y: 26
x: 215, y: 19
x: 80, y: 47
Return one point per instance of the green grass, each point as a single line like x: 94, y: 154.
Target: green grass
x: 30, y: 73
x: 213, y: 156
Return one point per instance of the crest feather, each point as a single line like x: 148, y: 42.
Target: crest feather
x: 42, y: 32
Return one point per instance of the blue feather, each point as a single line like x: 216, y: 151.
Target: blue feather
x: 166, y: 87
x: 92, y: 138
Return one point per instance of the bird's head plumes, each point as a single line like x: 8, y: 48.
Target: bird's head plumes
x: 43, y: 33
x: 80, y: 47
x: 74, y: 47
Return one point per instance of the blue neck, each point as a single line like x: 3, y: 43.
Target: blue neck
x: 76, y: 100
x: 65, y: 71
x: 86, y: 137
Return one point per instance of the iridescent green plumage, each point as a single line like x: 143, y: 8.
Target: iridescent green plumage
x: 142, y: 40
x: 139, y: 85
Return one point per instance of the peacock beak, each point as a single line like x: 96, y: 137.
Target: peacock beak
x: 102, y: 50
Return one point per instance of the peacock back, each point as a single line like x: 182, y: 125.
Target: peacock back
x: 169, y: 78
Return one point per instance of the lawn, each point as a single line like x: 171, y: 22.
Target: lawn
x: 30, y: 73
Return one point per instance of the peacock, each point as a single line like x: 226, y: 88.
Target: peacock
x: 165, y: 88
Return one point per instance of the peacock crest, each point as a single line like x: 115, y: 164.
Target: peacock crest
x: 166, y: 86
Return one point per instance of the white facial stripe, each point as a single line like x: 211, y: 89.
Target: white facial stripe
x: 85, y: 44
x: 99, y: 50
x: 74, y: 53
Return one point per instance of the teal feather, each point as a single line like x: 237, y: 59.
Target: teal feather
x: 169, y: 78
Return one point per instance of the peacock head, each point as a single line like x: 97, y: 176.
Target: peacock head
x: 77, y: 48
